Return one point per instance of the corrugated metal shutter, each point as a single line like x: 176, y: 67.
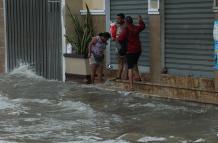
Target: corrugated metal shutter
x: 188, y: 37
x: 34, y: 36
x: 54, y: 40
x: 131, y: 8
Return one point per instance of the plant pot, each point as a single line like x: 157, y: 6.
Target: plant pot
x: 77, y: 68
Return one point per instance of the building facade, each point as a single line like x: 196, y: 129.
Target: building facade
x: 32, y: 36
x: 178, y: 37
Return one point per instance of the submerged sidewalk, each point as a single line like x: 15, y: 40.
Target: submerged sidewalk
x: 173, y: 87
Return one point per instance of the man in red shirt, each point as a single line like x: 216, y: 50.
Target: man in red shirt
x: 131, y: 34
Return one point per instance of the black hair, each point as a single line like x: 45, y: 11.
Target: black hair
x: 121, y: 15
x: 105, y: 35
x: 129, y: 19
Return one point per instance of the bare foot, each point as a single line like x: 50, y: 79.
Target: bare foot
x: 137, y: 79
x: 130, y: 88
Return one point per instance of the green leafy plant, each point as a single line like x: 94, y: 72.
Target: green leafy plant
x: 83, y: 31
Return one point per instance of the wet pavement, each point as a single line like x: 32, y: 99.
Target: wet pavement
x: 35, y: 110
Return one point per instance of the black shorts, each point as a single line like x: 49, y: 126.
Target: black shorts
x: 132, y: 59
x: 123, y: 48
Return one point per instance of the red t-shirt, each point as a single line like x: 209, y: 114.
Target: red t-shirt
x: 131, y: 34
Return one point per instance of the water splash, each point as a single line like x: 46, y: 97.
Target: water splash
x: 151, y: 139
x: 6, y: 103
x: 25, y: 70
x: 200, y: 140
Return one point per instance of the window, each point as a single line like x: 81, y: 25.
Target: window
x: 215, y: 5
x: 153, y: 6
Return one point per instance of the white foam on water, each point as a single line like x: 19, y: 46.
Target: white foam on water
x: 161, y: 106
x: 149, y: 105
x: 96, y: 141
x: 5, y: 103
x: 2, y: 141
x: 13, y: 106
x: 151, y: 139
x: 96, y: 86
x: 24, y: 70
x: 114, y: 141
x: 78, y: 106
x: 122, y: 136
x: 93, y: 139
x: 171, y: 137
x: 18, y: 112
x: 89, y: 138
x: 31, y: 119
x: 104, y: 87
x: 124, y: 93
x: 200, y: 140
x: 116, y: 118
x: 41, y: 101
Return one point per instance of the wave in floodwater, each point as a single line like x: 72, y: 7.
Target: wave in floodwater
x: 36, y: 110
x: 25, y: 70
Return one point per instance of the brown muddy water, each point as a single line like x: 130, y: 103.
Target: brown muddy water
x: 36, y: 110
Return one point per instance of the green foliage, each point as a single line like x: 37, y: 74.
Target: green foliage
x: 83, y: 31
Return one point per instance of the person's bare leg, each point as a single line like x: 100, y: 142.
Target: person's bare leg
x: 125, y: 70
x: 120, y: 67
x: 130, y: 75
x: 137, y: 76
x: 93, y: 72
x: 100, y: 73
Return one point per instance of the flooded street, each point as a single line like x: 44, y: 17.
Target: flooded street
x: 35, y: 110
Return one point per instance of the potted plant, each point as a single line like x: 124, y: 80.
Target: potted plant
x: 77, y: 64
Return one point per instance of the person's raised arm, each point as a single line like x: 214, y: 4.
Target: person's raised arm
x: 141, y: 24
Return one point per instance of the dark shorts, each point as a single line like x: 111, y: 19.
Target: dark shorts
x: 123, y: 48
x: 132, y: 59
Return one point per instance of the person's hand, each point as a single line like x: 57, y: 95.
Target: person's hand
x: 139, y: 17
x: 89, y: 55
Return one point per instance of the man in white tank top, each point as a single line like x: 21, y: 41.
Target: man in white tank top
x: 120, y: 47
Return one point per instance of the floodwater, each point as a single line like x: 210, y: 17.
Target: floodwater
x: 35, y: 110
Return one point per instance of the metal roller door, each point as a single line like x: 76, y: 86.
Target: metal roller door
x: 34, y: 36
x: 188, y: 37
x: 131, y: 8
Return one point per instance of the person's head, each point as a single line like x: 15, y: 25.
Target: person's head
x: 120, y: 18
x: 105, y: 36
x: 129, y: 20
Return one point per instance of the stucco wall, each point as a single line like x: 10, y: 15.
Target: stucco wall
x: 2, y: 38
x: 94, y: 4
x: 99, y: 23
x: 75, y: 7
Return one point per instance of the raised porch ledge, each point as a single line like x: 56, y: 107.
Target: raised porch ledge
x: 172, y: 92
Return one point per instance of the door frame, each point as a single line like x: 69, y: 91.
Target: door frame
x: 5, y: 36
x: 108, y: 22
x: 63, y: 4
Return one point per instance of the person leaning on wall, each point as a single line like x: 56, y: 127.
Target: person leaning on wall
x: 131, y: 33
